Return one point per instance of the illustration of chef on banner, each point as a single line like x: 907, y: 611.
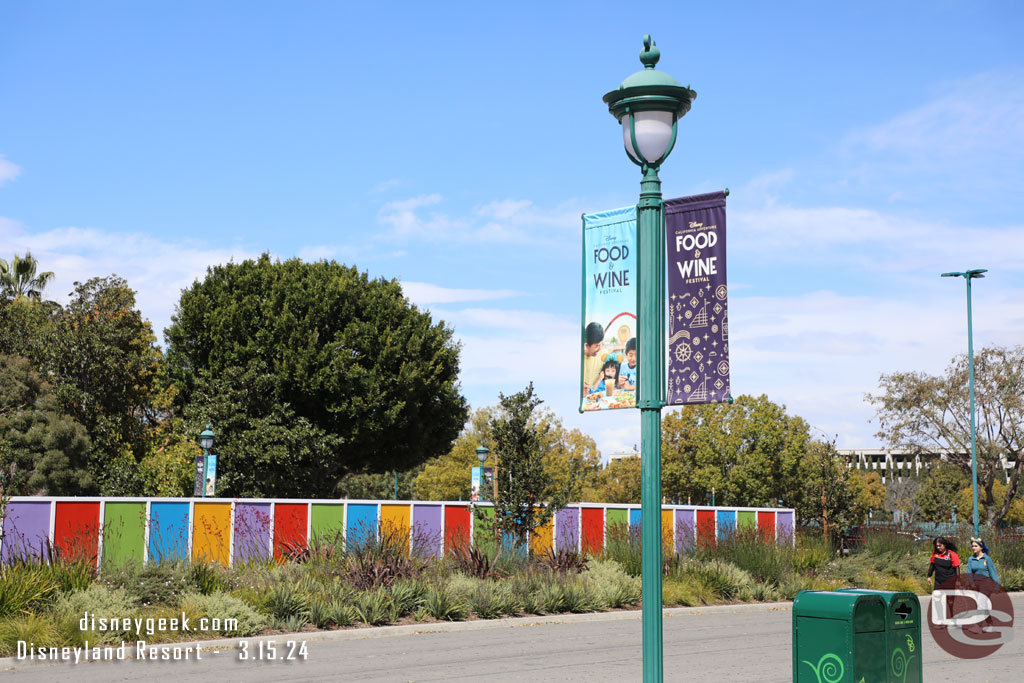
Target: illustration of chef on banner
x: 608, y: 366
x: 698, y: 303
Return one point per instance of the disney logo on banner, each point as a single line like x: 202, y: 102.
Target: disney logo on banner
x: 971, y: 623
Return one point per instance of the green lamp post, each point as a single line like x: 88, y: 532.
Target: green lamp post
x: 206, y: 438
x: 648, y: 104
x: 970, y: 275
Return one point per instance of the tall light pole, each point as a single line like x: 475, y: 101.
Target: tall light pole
x: 206, y: 438
x: 970, y: 275
x: 648, y: 104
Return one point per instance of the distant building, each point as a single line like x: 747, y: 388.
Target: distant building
x: 899, y: 463
x: 623, y: 454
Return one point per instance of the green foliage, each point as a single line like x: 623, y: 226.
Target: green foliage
x: 312, y: 371
x: 154, y: 584
x: 379, y: 485
x: 24, y: 587
x: 749, y: 550
x: 41, y: 450
x: 40, y: 629
x: 921, y: 412
x: 207, y: 577
x: 223, y: 607
x: 610, y: 583
x: 285, y: 602
x: 169, y: 470
x: 724, y: 578
x: 372, y: 607
x: 20, y: 279
x: 444, y: 604
x: 619, y: 482
x: 100, y: 602
x: 523, y: 484
x: 564, y: 561
x: 622, y: 544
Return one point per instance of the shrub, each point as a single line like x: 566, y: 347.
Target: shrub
x: 577, y: 596
x: 24, y: 586
x: 727, y: 580
x: 482, y: 603
x: 443, y: 604
x: 285, y: 602
x: 612, y: 586
x: 792, y: 584
x: 372, y: 607
x: 341, y: 613
x: 221, y: 606
x: 38, y: 629
x: 622, y: 544
x: 406, y: 596
x: 676, y: 590
x: 207, y: 577
x: 155, y: 584
x: 564, y: 561
x: 750, y: 550
x: 100, y: 602
x: 506, y: 600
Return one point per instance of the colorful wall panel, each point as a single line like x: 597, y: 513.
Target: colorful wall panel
x: 252, y: 531
x: 746, y: 519
x: 592, y: 536
x: 168, y: 532
x: 567, y: 528
x: 211, y: 533
x: 726, y: 523
x: 634, y: 517
x: 542, y: 539
x: 784, y: 524
x: 705, y: 527
x: 766, y: 523
x: 360, y: 523
x: 667, y: 530
x: 26, y: 530
x: 457, y: 526
x: 124, y: 534
x: 396, y: 518
x: 290, y: 521
x: 327, y: 524
x: 427, y: 529
x: 76, y: 530
x: 686, y: 527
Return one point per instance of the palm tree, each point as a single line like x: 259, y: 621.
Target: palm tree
x: 19, y: 278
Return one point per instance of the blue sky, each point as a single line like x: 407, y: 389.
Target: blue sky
x: 867, y: 146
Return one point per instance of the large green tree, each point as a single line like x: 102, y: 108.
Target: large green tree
x: 105, y: 368
x: 41, y: 450
x: 925, y: 413
x: 309, y: 372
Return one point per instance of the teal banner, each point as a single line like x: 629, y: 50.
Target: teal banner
x: 608, y: 366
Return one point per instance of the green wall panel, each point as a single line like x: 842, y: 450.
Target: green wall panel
x: 124, y: 533
x: 746, y: 520
x: 327, y: 522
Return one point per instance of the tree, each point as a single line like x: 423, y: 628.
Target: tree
x: 523, y: 486
x: 619, y: 482
x: 939, y: 492
x: 965, y: 506
x: 41, y: 451
x: 311, y: 371
x: 826, y: 495
x: 447, y: 477
x: 105, y: 368
x: 19, y: 279
x: 750, y: 452
x: 902, y: 500
x: 868, y: 494
x: 923, y: 413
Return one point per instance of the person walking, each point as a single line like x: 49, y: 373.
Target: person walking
x: 981, y: 575
x: 944, y: 563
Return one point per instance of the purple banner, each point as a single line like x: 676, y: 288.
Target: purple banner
x: 698, y: 305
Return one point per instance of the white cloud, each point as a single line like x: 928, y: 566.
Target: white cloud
x: 983, y: 113
x: 8, y: 170
x: 505, y: 221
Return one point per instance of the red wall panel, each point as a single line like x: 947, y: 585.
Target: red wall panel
x: 456, y: 527
x: 705, y: 527
x: 76, y: 530
x: 766, y: 524
x: 593, y: 531
x: 289, y: 528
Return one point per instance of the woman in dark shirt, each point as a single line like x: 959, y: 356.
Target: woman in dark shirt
x: 944, y: 564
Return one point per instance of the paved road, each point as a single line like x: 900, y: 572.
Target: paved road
x: 733, y: 643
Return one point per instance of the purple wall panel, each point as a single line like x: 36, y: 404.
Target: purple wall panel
x: 26, y: 530
x: 567, y: 528
x: 784, y: 525
x: 686, y: 525
x: 252, y: 531
x: 426, y: 529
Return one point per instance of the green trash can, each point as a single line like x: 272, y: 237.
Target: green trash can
x: 838, y: 638
x: 903, y: 634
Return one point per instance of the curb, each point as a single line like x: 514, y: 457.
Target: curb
x: 375, y: 632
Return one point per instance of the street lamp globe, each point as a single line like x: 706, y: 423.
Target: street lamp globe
x: 481, y: 454
x: 648, y: 104
x: 206, y: 438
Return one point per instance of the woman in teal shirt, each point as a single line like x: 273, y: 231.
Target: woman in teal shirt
x: 980, y: 565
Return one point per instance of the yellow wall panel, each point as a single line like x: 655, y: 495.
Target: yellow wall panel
x: 540, y: 540
x: 395, y: 518
x: 667, y: 532
x: 211, y: 532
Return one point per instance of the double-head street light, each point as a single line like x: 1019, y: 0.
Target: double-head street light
x: 971, y: 275
x: 648, y: 104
